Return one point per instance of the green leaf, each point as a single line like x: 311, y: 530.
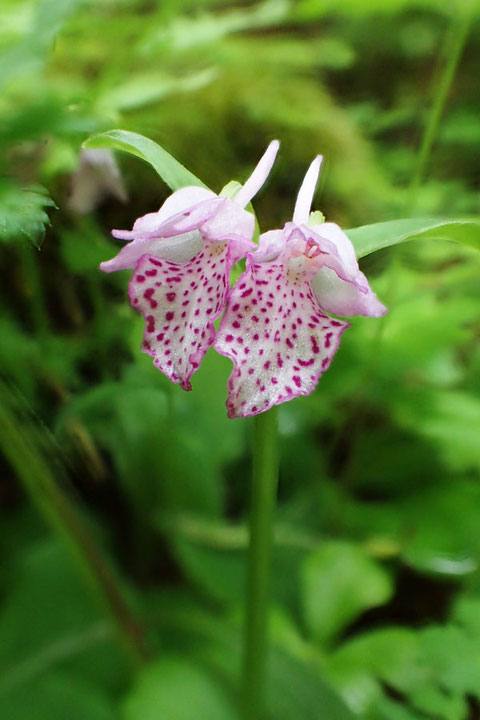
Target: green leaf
x: 49, y: 623
x: 295, y: 690
x: 62, y: 696
x: 22, y: 212
x: 174, y: 689
x: 339, y: 582
x: 369, y: 238
x: 170, y: 170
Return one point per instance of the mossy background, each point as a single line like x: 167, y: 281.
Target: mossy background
x: 123, y: 500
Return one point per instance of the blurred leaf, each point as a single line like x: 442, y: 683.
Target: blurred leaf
x: 170, y: 170
x: 369, y: 238
x: 22, y: 212
x: 27, y: 55
x: 339, y: 582
x: 151, y: 87
x: 297, y: 691
x: 453, y: 658
x: 59, y: 695
x: 49, y: 621
x: 172, y: 688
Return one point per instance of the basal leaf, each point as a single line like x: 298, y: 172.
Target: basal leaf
x: 172, y: 688
x: 369, y: 238
x: 170, y: 170
x: 340, y: 582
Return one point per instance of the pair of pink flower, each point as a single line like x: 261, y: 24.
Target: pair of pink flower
x: 274, y: 327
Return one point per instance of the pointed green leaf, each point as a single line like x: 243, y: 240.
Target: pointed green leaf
x: 369, y: 238
x: 170, y: 170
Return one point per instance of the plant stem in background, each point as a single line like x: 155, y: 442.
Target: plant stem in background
x: 454, y: 45
x: 263, y: 501
x: 20, y: 445
x: 34, y: 289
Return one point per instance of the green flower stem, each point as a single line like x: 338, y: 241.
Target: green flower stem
x: 263, y: 500
x: 454, y: 45
x: 21, y: 448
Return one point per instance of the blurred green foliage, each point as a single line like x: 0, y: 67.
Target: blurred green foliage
x: 123, y: 500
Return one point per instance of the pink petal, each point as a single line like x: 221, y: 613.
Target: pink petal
x: 258, y: 176
x: 165, y: 239
x: 340, y: 286
x: 277, y: 336
x: 176, y: 203
x: 343, y: 298
x: 179, y: 302
x: 306, y: 192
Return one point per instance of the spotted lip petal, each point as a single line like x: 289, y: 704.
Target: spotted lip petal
x: 275, y: 329
x: 179, y: 302
x: 277, y: 336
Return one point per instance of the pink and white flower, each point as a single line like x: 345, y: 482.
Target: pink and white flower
x: 275, y: 328
x: 182, y: 256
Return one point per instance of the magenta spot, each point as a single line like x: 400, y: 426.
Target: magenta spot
x: 266, y: 364
x: 160, y: 336
x: 289, y: 343
x: 314, y: 343
x: 169, y: 316
x: 251, y: 371
x: 171, y: 296
x: 297, y: 381
x: 140, y: 278
x: 236, y: 324
x: 305, y: 363
x: 228, y: 338
x: 150, y: 320
x: 328, y: 339
x: 255, y: 336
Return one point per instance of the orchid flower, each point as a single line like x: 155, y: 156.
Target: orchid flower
x: 182, y: 256
x: 275, y: 328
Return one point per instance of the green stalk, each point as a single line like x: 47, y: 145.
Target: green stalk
x: 454, y: 45
x: 20, y: 447
x: 263, y: 500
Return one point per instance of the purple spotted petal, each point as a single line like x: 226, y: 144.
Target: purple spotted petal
x: 182, y: 257
x: 277, y: 336
x: 179, y: 302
